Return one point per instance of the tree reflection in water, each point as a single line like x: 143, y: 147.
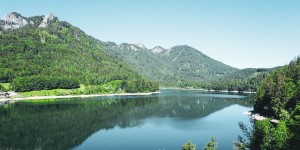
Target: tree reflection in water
x: 64, y: 124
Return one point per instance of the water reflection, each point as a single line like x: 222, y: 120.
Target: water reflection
x: 65, y: 124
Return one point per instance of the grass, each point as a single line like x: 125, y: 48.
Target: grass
x: 109, y: 87
x: 47, y: 92
x: 41, y: 101
x: 54, y: 92
x: 6, y: 86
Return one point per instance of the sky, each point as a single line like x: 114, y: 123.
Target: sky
x: 240, y: 33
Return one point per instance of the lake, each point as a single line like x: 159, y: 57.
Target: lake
x: 161, y: 121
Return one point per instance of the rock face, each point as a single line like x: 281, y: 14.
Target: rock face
x: 16, y: 21
x: 13, y: 21
x: 130, y: 47
x: 157, y: 50
x: 45, y: 21
x: 141, y: 45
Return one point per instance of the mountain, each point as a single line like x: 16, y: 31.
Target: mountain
x: 179, y: 63
x: 47, y: 48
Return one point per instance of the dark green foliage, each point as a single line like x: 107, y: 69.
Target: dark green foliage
x: 264, y: 135
x: 211, y: 145
x: 269, y: 136
x: 279, y: 90
x: 2, y: 88
x: 242, y: 80
x: 294, y: 127
x: 32, y: 83
x: 139, y: 85
x: 245, y: 73
x: 278, y: 97
x: 188, y: 146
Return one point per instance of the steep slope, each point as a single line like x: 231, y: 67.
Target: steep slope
x: 192, y: 65
x: 142, y: 60
x: 44, y: 46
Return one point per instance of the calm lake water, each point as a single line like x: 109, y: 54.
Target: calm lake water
x: 162, y: 121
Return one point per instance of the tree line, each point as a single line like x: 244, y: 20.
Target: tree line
x: 32, y: 83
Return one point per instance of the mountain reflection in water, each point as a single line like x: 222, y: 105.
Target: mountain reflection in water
x: 65, y: 124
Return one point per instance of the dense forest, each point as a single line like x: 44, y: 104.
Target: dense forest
x: 245, y: 81
x: 277, y: 97
x: 56, y: 54
x: 65, y: 54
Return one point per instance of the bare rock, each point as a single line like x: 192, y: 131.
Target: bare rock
x: 45, y: 21
x: 14, y: 21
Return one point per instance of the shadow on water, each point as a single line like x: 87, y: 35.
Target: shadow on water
x: 64, y: 124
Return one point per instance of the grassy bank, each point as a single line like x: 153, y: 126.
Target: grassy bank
x: 107, y: 88
x: 5, y: 87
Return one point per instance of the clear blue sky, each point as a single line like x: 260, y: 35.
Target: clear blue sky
x: 240, y: 33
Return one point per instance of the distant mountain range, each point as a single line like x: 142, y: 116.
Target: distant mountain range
x: 179, y: 63
x: 43, y: 45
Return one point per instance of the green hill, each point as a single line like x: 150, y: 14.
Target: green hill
x: 179, y: 63
x: 184, y: 66
x: 48, y: 49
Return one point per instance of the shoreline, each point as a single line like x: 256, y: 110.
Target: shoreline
x: 256, y: 116
x: 2, y: 100
x: 222, y: 91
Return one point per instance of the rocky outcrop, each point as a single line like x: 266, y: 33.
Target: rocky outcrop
x: 141, y: 45
x: 16, y: 21
x: 132, y: 47
x: 46, y: 19
x: 13, y: 21
x: 157, y: 50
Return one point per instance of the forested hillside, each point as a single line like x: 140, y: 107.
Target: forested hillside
x: 277, y: 97
x: 59, y: 55
x: 186, y: 67
x: 170, y: 66
x: 57, y: 50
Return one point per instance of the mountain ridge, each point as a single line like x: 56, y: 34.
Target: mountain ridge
x: 181, y: 63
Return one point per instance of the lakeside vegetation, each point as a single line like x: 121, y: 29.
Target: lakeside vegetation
x: 116, y: 86
x: 5, y: 87
x: 277, y: 97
